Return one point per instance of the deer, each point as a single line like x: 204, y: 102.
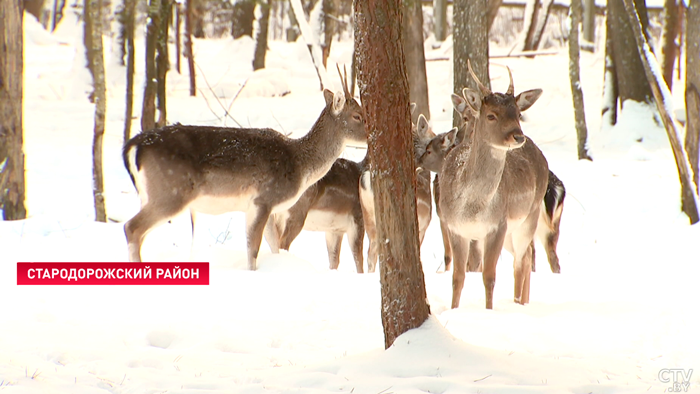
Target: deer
x: 331, y: 205
x: 432, y: 157
x: 491, y: 189
x: 216, y: 170
x: 421, y: 130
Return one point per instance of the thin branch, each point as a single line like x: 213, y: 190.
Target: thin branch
x: 214, y: 94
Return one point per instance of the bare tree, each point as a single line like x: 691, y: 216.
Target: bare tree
x: 692, y: 96
x: 243, y: 17
x: 178, y: 41
x: 669, y: 47
x: 471, y: 42
x: 536, y: 21
x: 261, y: 37
x: 384, y: 93
x: 574, y: 76
x: 93, y: 39
x: 163, y: 60
x: 148, y: 111
x: 188, y: 47
x: 440, y: 19
x: 589, y: 20
x: 12, y: 187
x: 129, y: 27
x: 610, y: 90
x: 415, y: 56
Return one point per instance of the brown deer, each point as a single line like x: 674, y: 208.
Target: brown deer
x: 421, y: 131
x: 216, y: 170
x: 492, y: 188
x: 331, y: 205
x: 432, y: 158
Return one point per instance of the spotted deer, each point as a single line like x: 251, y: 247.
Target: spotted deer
x: 432, y: 158
x: 331, y: 205
x: 216, y: 170
x: 491, y: 189
x: 423, y: 197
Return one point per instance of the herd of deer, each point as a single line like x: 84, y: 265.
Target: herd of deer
x: 493, y: 190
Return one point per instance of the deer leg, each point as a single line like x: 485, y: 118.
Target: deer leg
x: 474, y: 263
x: 521, y: 246
x: 272, y: 234
x: 150, y: 216
x: 292, y: 228
x: 356, y: 236
x: 460, y: 248
x: 493, y: 245
x: 255, y: 224
x: 333, y: 242
x: 551, y: 246
x: 446, y: 244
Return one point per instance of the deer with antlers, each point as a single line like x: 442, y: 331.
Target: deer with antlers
x: 491, y: 189
x: 216, y: 170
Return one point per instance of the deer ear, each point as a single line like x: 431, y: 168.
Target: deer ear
x: 459, y: 103
x: 473, y: 99
x: 525, y: 99
x: 328, y: 96
x: 423, y: 126
x: 338, y: 102
x: 413, y: 108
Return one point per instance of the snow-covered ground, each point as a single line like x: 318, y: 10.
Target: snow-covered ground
x: 623, y: 309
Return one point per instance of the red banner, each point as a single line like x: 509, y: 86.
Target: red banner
x: 112, y: 273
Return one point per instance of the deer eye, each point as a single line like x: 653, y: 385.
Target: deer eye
x: 491, y: 117
x: 357, y: 117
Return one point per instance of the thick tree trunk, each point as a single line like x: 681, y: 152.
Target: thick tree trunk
x: 188, y: 47
x: 629, y: 71
x: 575, y: 79
x: 415, y: 56
x: 12, y: 185
x: 669, y: 48
x: 610, y: 91
x: 163, y: 61
x: 93, y: 30
x: 471, y: 42
x: 652, y: 72
x: 261, y: 37
x: 384, y: 93
x: 130, y: 18
x: 243, y: 18
x: 692, y: 96
x: 148, y: 112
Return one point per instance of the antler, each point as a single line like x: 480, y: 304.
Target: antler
x: 344, y: 80
x: 510, y: 90
x: 484, y: 90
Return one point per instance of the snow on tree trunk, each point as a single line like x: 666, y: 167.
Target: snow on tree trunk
x: 129, y: 27
x: 188, y: 47
x: 415, y: 56
x: 93, y: 35
x: 692, y: 95
x: 669, y: 49
x: 470, y: 37
x: 12, y: 186
x: 148, y: 111
x: 664, y: 103
x: 575, y: 79
x: 261, y: 36
x: 384, y: 93
x: 312, y: 40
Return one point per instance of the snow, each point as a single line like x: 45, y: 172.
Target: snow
x: 623, y: 309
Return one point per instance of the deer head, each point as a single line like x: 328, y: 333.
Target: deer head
x: 346, y: 111
x: 497, y: 115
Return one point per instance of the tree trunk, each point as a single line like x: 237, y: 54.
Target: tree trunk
x: 610, y: 91
x: 669, y: 47
x: 178, y: 35
x: 130, y: 17
x: 415, y: 56
x: 537, y: 24
x: 312, y: 42
x: 34, y: 7
x: 188, y: 47
x: 148, y: 112
x: 629, y: 71
x: 329, y: 28
x: 384, y: 93
x: 652, y: 72
x: 162, y: 61
x: 575, y: 79
x: 261, y: 37
x: 243, y: 18
x: 440, y: 19
x: 589, y: 20
x: 492, y: 11
x: 471, y: 42
x: 12, y: 185
x: 93, y: 34
x: 692, y: 96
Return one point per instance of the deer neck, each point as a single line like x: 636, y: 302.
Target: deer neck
x: 483, y: 170
x: 319, y: 148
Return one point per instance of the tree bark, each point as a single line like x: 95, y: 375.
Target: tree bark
x: 148, y: 112
x: 384, y: 93
x: 130, y: 27
x: 415, y: 56
x: 589, y: 21
x: 243, y: 19
x: 12, y: 185
x: 692, y: 96
x: 162, y: 61
x: 188, y: 47
x: 93, y: 33
x: 575, y: 79
x: 261, y: 37
x: 537, y: 24
x: 661, y: 95
x: 492, y: 11
x: 440, y: 19
x: 669, y: 48
x: 471, y: 42
x: 610, y: 91
x: 178, y: 35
